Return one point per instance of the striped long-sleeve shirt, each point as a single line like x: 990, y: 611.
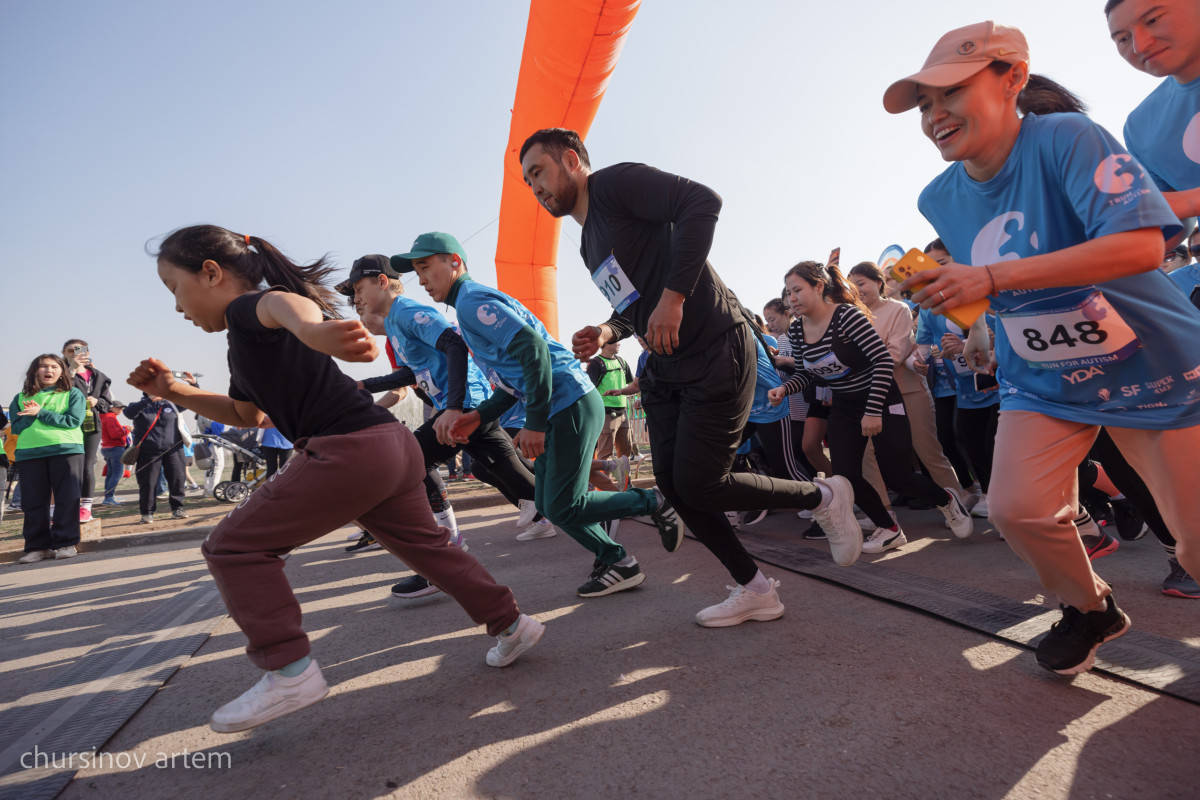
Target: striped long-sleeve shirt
x: 849, y: 357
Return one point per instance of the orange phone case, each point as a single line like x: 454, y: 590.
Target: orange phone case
x: 915, y: 261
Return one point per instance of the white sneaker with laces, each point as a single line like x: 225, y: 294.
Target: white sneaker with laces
x: 838, y: 522
x: 542, y: 529
x: 528, y: 512
x: 742, y: 605
x: 272, y: 697
x: 980, y: 509
x: 66, y: 552
x: 957, y: 519
x: 804, y: 513
x: 509, y: 648
x: 883, y: 539
x: 34, y: 556
x: 620, y: 475
x: 865, y: 523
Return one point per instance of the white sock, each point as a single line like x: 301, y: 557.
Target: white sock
x: 446, y: 518
x: 826, y: 496
x: 627, y: 561
x: 759, y: 584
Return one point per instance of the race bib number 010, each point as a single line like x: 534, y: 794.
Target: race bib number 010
x: 1083, y: 335
x: 614, y: 284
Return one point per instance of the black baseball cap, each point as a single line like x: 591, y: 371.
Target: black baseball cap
x: 366, y: 267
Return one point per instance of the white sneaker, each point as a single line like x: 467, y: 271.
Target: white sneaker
x: 542, y: 529
x: 741, y: 605
x: 957, y: 519
x: 980, y: 509
x: 804, y: 513
x: 528, y: 512
x: 66, y: 552
x: 735, y: 519
x: 884, y: 539
x: 34, y: 556
x: 838, y: 522
x: 508, y: 648
x: 272, y: 697
x: 620, y: 475
x: 865, y: 523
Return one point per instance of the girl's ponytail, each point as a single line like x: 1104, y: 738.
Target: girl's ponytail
x: 256, y: 261
x: 1042, y: 95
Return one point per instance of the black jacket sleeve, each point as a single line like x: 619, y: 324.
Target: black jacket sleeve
x: 455, y: 349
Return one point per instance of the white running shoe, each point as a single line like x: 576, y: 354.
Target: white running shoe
x: 528, y: 512
x: 542, y: 529
x: 957, y: 519
x: 980, y: 509
x: 509, y: 648
x: 838, y: 522
x: 804, y: 513
x: 272, y: 697
x: 741, y: 605
x: 884, y: 539
x: 66, y: 552
x: 865, y: 523
x: 34, y: 556
x: 620, y: 474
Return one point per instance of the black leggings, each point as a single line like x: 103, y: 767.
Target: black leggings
x: 1126, y: 478
x: 276, y: 457
x: 976, y: 429
x: 893, y: 454
x: 777, y: 439
x: 944, y: 410
x: 494, y: 459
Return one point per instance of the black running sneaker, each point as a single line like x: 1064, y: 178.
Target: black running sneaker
x: 414, y: 586
x: 814, y: 532
x: 1130, y: 524
x: 609, y: 578
x: 667, y: 522
x: 1069, y: 648
x: 365, y: 542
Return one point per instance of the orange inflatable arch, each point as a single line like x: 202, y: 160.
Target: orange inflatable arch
x: 571, y: 50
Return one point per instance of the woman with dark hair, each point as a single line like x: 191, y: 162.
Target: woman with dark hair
x: 95, y: 387
x: 46, y: 416
x: 1044, y: 212
x: 832, y: 340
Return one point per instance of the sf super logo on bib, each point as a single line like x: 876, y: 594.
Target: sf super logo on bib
x: 1081, y: 334
x: 614, y: 284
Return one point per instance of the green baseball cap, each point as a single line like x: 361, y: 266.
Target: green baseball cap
x: 428, y: 244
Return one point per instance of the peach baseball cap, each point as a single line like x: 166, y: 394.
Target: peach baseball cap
x: 957, y: 56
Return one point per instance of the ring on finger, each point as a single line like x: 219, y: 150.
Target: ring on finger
x: 942, y: 295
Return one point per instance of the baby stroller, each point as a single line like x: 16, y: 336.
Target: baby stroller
x: 243, y: 444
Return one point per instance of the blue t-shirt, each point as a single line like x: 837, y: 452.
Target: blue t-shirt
x: 930, y: 328
x: 514, y: 417
x: 761, y: 409
x: 1163, y: 133
x: 964, y: 377
x: 1186, y: 278
x: 1081, y: 353
x: 489, y: 319
x: 413, y: 329
x: 273, y: 438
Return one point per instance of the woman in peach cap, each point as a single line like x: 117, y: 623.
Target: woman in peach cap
x: 1044, y: 212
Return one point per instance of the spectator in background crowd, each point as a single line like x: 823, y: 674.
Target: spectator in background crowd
x: 114, y: 438
x: 610, y: 374
x: 94, y: 385
x: 47, y: 415
x: 158, y: 430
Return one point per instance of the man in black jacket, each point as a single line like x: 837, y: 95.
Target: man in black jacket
x: 645, y: 240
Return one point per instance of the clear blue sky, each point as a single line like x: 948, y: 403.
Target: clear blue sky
x: 349, y: 128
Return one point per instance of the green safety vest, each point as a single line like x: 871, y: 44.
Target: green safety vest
x: 614, y: 378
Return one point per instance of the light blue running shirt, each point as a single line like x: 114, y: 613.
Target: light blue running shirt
x: 761, y: 410
x: 413, y: 329
x: 929, y: 333
x: 489, y: 319
x: 1163, y: 133
x: 963, y: 376
x: 1130, y: 346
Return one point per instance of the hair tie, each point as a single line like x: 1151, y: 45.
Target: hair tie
x: 247, y: 237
